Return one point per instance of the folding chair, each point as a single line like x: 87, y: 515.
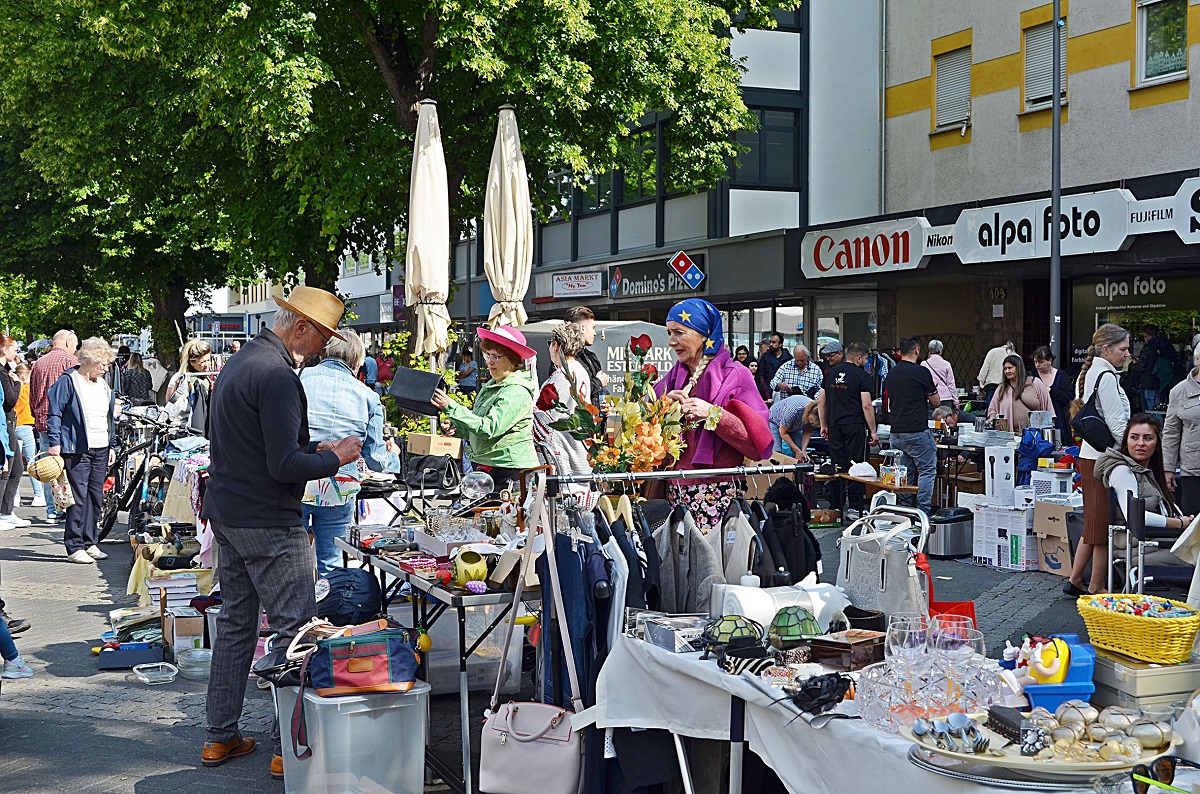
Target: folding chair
x: 1143, y: 537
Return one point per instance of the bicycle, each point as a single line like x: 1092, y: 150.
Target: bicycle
x: 138, y: 486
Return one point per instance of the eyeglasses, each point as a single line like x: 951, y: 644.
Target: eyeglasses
x: 320, y: 331
x: 493, y: 356
x: 1159, y: 773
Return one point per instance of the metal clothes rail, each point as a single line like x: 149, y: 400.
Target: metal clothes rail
x: 554, y: 480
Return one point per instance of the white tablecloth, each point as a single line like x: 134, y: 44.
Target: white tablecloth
x: 643, y: 686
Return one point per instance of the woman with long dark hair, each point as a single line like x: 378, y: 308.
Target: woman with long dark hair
x: 1108, y: 354
x: 1136, y: 469
x: 1019, y: 394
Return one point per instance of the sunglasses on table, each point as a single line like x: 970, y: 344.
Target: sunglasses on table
x: 1159, y: 774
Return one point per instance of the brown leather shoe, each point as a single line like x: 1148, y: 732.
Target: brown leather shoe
x: 277, y: 767
x: 217, y: 753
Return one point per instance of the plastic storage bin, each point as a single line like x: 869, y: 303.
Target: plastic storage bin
x: 483, y: 665
x: 359, y: 742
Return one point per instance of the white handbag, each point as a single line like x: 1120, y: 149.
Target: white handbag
x: 878, y: 565
x: 532, y: 747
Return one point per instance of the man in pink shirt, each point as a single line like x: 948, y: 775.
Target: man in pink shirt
x: 46, y: 370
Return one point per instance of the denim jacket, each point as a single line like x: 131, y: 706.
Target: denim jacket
x: 340, y: 405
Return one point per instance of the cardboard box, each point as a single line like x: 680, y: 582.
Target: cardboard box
x: 1054, y: 555
x: 677, y: 633
x: 1000, y: 475
x: 1050, y: 519
x: 426, y: 444
x: 1004, y: 539
x: 183, y: 627
x: 759, y: 483
x: 1018, y: 551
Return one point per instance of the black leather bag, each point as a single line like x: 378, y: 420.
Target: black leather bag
x: 413, y: 390
x: 423, y: 472
x: 1088, y: 423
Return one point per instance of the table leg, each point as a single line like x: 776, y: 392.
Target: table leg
x: 463, y: 705
x: 737, y: 743
x: 684, y: 771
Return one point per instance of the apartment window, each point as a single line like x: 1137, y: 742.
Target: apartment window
x: 1039, y: 65
x: 952, y: 71
x: 639, y: 166
x: 1162, y: 39
x: 597, y: 191
x: 560, y: 188
x: 770, y: 159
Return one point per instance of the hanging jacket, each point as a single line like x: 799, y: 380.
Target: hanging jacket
x: 690, y: 566
x: 734, y: 541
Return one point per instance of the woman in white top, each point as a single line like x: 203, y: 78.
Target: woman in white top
x: 79, y: 424
x: 1108, y: 355
x: 1136, y: 469
x: 195, y: 361
x: 566, y: 454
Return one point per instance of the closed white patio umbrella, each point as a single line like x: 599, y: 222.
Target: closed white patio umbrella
x: 507, y: 225
x: 427, y: 258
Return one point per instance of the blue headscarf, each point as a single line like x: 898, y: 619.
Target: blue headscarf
x: 700, y: 316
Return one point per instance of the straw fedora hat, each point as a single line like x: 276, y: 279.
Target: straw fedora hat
x: 317, y: 306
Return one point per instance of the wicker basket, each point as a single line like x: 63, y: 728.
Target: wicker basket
x: 1159, y: 640
x: 45, y: 467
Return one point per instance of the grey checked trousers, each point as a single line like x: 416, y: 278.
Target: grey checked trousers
x: 261, y: 568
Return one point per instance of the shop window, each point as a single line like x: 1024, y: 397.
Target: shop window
x: 1162, y: 39
x: 559, y: 187
x: 639, y: 166
x: 770, y: 157
x: 789, y: 321
x: 1039, y: 65
x: 952, y: 72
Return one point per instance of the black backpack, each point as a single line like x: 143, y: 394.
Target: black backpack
x: 354, y: 597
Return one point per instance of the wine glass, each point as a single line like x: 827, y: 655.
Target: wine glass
x: 956, y: 648
x: 905, y: 644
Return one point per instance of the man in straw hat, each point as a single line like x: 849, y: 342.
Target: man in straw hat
x: 261, y: 459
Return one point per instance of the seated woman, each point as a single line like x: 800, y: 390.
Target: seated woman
x: 340, y: 405
x: 720, y: 396
x: 1018, y: 395
x: 1136, y: 469
x: 500, y: 427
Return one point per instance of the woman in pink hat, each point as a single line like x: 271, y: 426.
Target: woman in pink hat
x: 500, y: 427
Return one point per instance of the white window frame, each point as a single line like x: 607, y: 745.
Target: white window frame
x: 952, y: 89
x: 1142, y: 80
x: 1040, y: 64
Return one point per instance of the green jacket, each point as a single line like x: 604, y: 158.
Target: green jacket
x: 500, y: 427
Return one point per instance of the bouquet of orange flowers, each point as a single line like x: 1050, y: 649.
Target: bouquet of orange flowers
x: 637, y: 431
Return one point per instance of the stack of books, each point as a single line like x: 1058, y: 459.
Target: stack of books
x: 180, y: 588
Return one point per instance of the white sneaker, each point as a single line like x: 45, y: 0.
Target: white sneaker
x: 81, y: 557
x: 15, y: 520
x: 5, y: 524
x: 95, y: 553
x: 16, y: 669
x: 39, y: 500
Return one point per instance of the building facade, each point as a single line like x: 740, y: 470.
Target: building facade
x: 961, y: 249
x: 815, y: 85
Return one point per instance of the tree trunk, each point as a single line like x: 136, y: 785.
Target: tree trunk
x: 167, y: 325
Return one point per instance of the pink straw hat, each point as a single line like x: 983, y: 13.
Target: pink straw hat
x: 509, y: 338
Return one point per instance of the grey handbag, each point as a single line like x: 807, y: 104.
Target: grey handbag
x: 533, y: 747
x: 878, y: 565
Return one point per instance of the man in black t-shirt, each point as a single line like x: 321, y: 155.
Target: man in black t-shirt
x: 910, y: 393
x: 848, y: 417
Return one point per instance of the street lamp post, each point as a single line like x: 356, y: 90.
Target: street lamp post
x: 1056, y: 189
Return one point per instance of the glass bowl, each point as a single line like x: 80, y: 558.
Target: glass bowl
x: 156, y: 672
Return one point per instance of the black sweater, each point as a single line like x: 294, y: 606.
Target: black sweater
x: 258, y: 432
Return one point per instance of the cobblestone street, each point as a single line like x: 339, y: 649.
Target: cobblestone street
x: 75, y: 729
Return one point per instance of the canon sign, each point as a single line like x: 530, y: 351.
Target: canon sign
x: 872, y: 247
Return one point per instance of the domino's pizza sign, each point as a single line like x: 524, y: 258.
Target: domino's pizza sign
x: 681, y: 274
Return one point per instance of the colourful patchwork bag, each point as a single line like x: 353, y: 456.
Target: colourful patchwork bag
x: 374, y: 657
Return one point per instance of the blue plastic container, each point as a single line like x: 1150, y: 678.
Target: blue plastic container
x: 1051, y: 696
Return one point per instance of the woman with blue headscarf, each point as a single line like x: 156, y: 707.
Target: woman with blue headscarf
x: 719, y: 395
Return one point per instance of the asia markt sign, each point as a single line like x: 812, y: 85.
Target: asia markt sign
x: 1103, y: 221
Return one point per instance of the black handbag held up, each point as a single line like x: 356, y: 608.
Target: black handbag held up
x: 413, y: 390
x: 432, y: 471
x: 1088, y: 422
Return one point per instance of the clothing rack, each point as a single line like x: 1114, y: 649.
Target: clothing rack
x: 554, y: 480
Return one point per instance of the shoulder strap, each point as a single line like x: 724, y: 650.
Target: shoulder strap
x: 522, y: 573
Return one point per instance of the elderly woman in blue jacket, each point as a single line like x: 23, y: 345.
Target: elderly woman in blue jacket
x: 80, y: 427
x: 340, y: 405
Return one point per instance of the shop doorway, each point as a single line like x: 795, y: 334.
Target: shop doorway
x: 847, y: 327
